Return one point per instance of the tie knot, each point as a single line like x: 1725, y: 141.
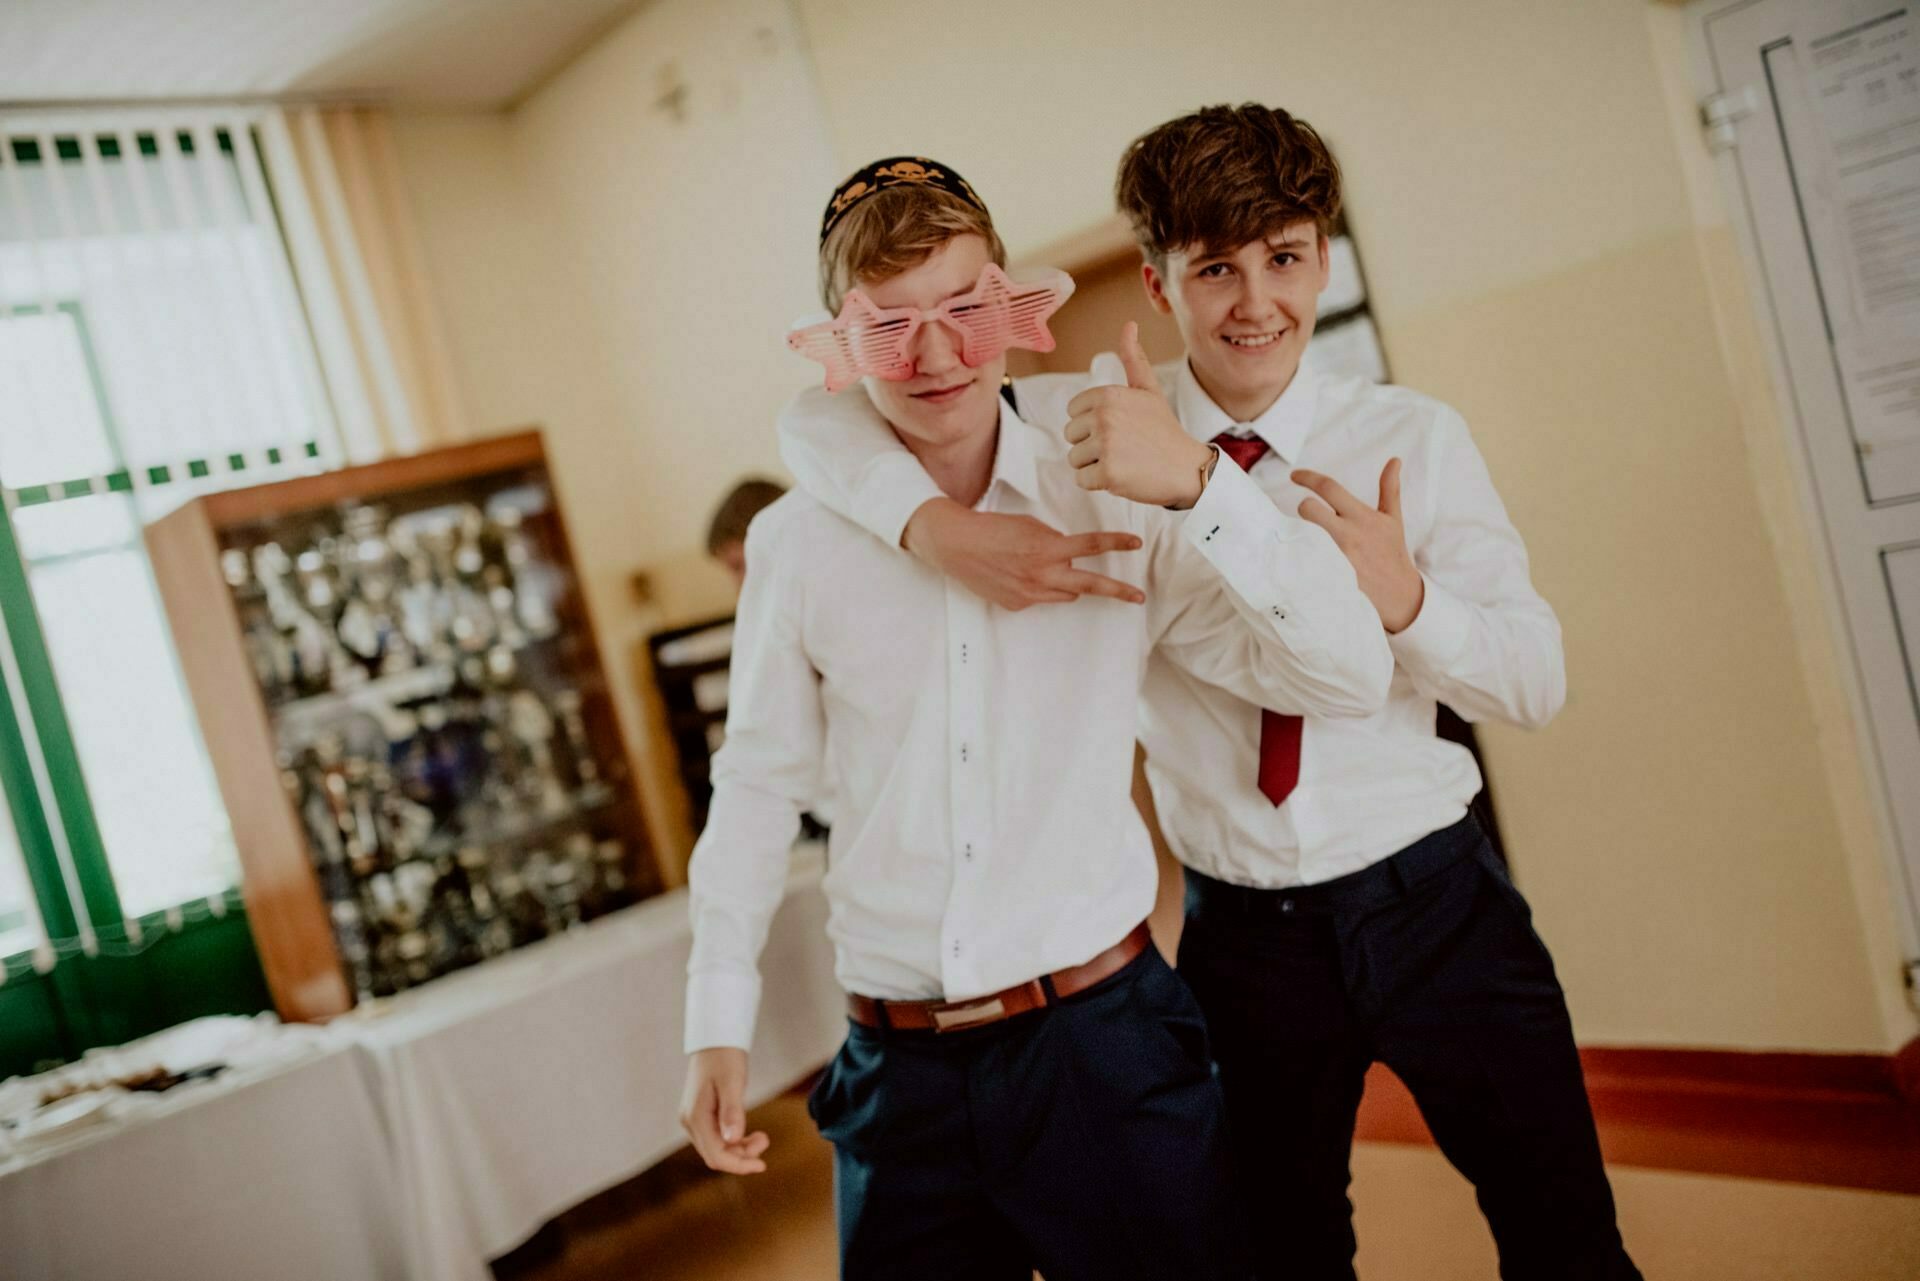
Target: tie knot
x: 1244, y: 450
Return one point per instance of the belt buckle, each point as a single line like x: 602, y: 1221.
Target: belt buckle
x: 954, y: 1017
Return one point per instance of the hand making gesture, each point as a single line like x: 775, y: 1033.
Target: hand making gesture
x: 1374, y: 541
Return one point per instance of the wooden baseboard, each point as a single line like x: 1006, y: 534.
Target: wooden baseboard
x: 1843, y: 1120
x: 1906, y: 1071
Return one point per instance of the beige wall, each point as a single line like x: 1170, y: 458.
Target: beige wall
x: 620, y: 267
x: 616, y: 269
x: 1690, y: 829
x: 697, y: 233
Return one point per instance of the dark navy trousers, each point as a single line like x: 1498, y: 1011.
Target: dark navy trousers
x: 1427, y: 962
x: 1084, y: 1139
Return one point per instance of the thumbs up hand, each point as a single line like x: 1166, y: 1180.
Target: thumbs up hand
x: 1126, y: 440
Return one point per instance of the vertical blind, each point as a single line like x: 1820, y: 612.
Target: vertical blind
x: 154, y: 344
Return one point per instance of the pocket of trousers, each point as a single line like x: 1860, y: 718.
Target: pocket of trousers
x: 819, y: 1098
x: 845, y: 1102
x: 1190, y: 1038
x: 1162, y: 997
x: 1529, y: 963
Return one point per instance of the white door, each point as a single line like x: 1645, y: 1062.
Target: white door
x: 1815, y: 106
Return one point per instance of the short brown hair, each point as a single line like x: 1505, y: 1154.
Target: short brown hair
x: 1225, y: 176
x: 737, y: 510
x: 894, y: 231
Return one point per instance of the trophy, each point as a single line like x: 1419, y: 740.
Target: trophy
x: 441, y: 768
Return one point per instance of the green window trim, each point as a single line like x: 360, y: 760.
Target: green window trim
x: 121, y: 940
x: 27, y: 151
x: 120, y: 479
x: 60, y: 758
x: 205, y: 967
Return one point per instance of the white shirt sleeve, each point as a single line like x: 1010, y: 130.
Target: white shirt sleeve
x: 842, y: 452
x: 1263, y: 605
x: 1484, y: 642
x: 764, y: 775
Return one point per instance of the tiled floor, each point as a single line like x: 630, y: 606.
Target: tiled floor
x: 1417, y: 1222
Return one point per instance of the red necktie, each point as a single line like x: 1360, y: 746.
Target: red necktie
x: 1244, y: 450
x: 1279, y: 732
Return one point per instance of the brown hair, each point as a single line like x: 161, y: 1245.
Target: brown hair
x: 894, y: 231
x: 1225, y: 176
x: 737, y: 510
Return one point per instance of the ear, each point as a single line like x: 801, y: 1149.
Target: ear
x: 1156, y: 287
x: 1326, y: 263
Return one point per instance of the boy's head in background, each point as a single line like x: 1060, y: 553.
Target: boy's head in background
x: 727, y: 535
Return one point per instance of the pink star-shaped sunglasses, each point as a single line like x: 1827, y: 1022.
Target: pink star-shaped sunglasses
x: 993, y: 316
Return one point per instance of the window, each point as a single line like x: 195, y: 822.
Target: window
x: 153, y: 346
x: 161, y: 819
x: 19, y: 920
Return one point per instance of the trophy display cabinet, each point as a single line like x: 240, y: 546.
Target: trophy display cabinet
x: 411, y: 727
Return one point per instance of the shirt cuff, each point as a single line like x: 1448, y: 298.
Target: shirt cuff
x: 1234, y: 525
x: 721, y: 1009
x: 891, y: 489
x: 1437, y: 634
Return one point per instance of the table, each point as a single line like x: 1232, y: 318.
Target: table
x: 418, y: 1137
x: 275, y: 1170
x: 521, y: 1088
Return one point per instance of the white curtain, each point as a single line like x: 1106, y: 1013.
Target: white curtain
x: 354, y: 246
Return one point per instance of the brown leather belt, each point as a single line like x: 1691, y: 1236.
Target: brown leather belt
x: 951, y: 1016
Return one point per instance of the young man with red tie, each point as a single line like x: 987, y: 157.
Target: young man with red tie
x: 1343, y: 906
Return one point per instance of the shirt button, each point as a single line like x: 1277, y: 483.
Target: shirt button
x: 1286, y: 905
x: 968, y: 852
x: 963, y: 753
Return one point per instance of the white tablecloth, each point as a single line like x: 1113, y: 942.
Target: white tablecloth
x: 274, y: 1170
x: 418, y: 1138
x: 521, y: 1088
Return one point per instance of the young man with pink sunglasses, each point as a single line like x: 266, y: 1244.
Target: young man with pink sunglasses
x: 1343, y: 906
x: 1025, y: 1083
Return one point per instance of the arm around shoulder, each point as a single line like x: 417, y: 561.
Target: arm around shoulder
x: 842, y: 452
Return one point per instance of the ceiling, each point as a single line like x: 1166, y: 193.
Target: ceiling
x: 428, y: 53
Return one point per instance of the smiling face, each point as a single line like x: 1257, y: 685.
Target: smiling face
x: 1246, y: 314
x: 945, y: 401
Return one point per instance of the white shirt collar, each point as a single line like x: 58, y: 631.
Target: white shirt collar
x: 1285, y: 425
x: 1013, y: 462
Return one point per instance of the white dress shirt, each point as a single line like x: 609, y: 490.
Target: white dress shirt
x: 984, y: 756
x: 1484, y: 642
